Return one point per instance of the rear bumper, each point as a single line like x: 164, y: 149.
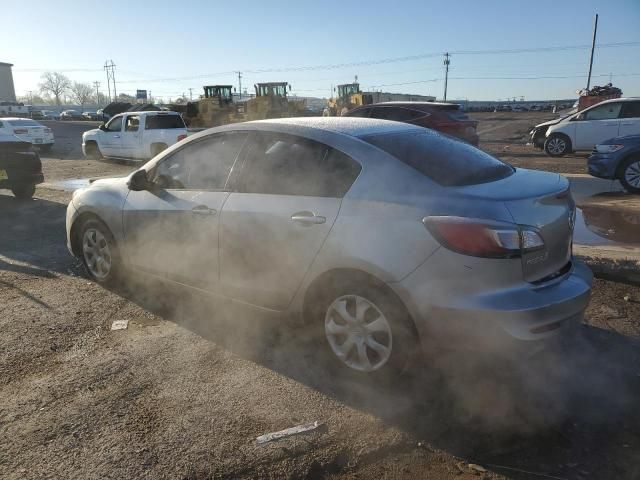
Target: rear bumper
x: 26, y: 179
x: 22, y: 168
x: 602, y: 165
x: 519, y: 320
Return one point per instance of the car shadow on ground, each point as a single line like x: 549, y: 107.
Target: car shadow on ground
x: 483, y: 411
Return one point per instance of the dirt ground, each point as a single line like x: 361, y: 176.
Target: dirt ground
x: 183, y: 392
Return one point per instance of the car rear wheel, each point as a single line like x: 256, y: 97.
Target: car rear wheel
x: 23, y: 192
x: 99, y: 252
x: 557, y: 145
x: 630, y: 175
x: 367, y: 330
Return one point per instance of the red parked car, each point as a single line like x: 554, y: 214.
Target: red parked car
x: 444, y: 117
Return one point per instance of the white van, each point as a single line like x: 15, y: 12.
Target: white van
x: 619, y: 117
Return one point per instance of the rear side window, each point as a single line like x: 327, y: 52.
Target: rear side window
x: 397, y: 114
x: 608, y: 111
x: 164, y: 122
x: 281, y: 164
x: 630, y: 110
x: 446, y: 161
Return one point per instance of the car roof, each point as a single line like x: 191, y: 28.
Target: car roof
x: 17, y: 118
x: 625, y: 99
x: 351, y: 126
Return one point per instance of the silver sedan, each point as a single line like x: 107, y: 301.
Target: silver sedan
x: 389, y: 237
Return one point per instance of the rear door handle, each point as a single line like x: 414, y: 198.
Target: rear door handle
x: 116, y: 136
x: 308, y: 218
x: 611, y: 124
x: 203, y: 210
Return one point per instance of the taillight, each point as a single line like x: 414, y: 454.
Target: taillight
x: 483, y: 238
x: 181, y: 137
x: 20, y: 131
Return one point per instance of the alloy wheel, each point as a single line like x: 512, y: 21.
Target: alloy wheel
x: 358, y: 333
x: 632, y: 174
x: 557, y: 146
x: 97, y: 254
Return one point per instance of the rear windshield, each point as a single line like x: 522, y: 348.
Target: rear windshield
x: 23, y: 123
x: 162, y: 122
x: 444, y: 160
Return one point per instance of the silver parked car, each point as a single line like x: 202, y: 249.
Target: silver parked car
x: 391, y: 236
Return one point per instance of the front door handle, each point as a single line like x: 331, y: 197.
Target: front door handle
x: 203, y: 210
x: 308, y: 218
x: 611, y: 124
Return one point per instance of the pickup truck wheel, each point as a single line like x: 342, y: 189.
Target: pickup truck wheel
x: 23, y: 192
x: 93, y: 151
x: 630, y: 175
x: 156, y: 148
x: 557, y: 145
x: 45, y: 148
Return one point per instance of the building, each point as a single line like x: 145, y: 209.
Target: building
x: 7, y: 90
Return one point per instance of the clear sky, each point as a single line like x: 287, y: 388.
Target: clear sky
x: 168, y: 46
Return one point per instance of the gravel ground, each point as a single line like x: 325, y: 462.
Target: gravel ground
x: 185, y: 389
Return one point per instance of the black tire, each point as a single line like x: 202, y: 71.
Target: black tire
x: 23, y: 192
x: 45, y: 148
x: 629, y: 174
x: 157, y: 148
x: 557, y: 145
x: 404, y: 339
x: 93, y: 151
x: 113, y: 275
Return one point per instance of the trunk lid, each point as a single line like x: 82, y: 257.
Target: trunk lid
x: 541, y: 201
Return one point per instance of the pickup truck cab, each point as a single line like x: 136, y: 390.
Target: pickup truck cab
x: 134, y: 135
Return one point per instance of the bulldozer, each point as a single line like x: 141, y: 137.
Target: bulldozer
x: 271, y: 101
x: 215, y: 108
x: 349, y: 96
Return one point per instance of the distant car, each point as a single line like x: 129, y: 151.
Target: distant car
x: 619, y: 117
x: 535, y: 108
x: 520, y: 108
x: 70, y: 115
x: 28, y: 130
x: 36, y: 115
x: 20, y: 166
x: 385, y: 238
x: 618, y: 158
x: 102, y: 116
x: 503, y: 108
x: 91, y: 116
x: 50, y: 115
x: 134, y: 135
x: 444, y: 117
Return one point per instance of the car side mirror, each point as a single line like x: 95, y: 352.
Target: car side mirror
x: 139, y: 181
x: 579, y: 117
x: 103, y: 127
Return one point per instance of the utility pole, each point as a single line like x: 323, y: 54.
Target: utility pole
x: 593, y: 47
x: 110, y: 68
x: 446, y: 73
x: 190, y: 94
x: 239, y: 85
x: 31, y: 97
x: 97, y: 85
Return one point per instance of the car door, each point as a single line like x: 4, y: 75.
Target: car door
x: 131, y: 136
x: 111, y: 137
x: 171, y: 230
x: 630, y: 119
x: 278, y: 216
x: 596, y: 125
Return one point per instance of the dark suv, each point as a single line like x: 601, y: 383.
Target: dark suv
x: 444, y: 117
x: 20, y: 167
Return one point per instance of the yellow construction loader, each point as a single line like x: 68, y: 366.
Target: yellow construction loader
x: 349, y: 96
x: 271, y: 101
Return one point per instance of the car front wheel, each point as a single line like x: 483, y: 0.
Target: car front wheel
x: 630, y: 175
x: 99, y: 252
x: 557, y: 145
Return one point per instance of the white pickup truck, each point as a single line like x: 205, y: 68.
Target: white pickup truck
x: 134, y: 135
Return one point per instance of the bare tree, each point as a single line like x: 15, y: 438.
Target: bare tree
x: 54, y: 84
x: 82, y: 93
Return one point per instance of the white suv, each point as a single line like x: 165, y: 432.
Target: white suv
x: 619, y: 117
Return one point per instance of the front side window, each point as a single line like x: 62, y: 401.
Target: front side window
x: 281, y: 164
x: 114, y: 125
x: 630, y: 110
x: 201, y: 165
x: 608, y: 111
x: 132, y: 123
